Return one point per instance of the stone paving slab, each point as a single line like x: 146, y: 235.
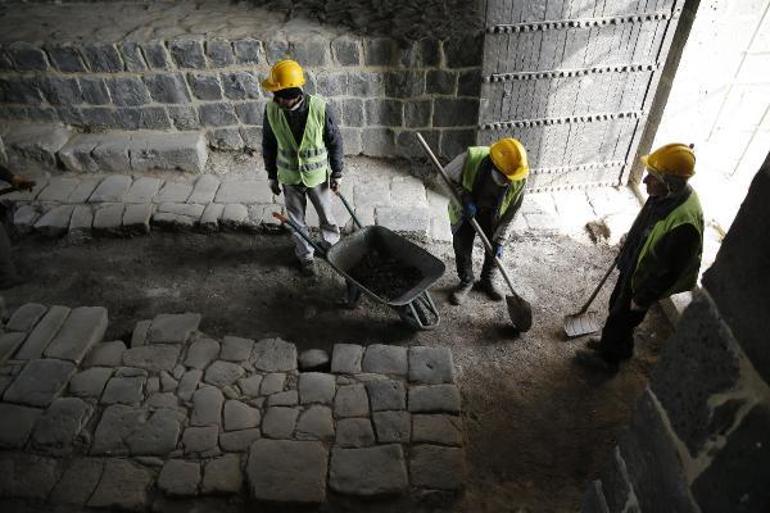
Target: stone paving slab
x: 124, y: 485
x: 9, y: 343
x: 173, y: 328
x: 43, y: 333
x: 16, y: 423
x: 78, y: 482
x: 60, y: 424
x: 84, y: 327
x: 287, y: 471
x: 370, y: 471
x: 40, y: 382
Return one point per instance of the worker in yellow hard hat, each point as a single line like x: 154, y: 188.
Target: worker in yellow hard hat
x: 303, y: 154
x: 661, y: 254
x: 490, y: 181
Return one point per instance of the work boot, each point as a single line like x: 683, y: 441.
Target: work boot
x: 307, y: 268
x: 596, y: 361
x: 488, y: 287
x: 458, y: 295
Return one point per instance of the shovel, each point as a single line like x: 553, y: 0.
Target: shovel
x: 519, y: 310
x: 584, y: 322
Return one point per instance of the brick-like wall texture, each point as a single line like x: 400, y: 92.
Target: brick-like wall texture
x: 698, y: 440
x: 382, y: 89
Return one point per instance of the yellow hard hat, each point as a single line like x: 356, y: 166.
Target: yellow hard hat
x: 674, y: 159
x: 283, y: 75
x: 509, y: 156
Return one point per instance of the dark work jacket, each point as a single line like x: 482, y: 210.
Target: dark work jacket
x: 487, y: 194
x: 5, y: 174
x: 297, y: 120
x: 674, y: 250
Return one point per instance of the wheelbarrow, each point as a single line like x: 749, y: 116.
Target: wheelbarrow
x: 414, y: 305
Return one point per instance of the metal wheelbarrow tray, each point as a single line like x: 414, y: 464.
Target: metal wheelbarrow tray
x: 415, y: 306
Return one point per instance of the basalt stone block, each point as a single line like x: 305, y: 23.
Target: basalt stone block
x: 469, y: 83
x: 315, y: 423
x: 183, y: 117
x: 464, y: 51
x: 94, y: 90
x: 287, y: 471
x: 431, y: 365
x: 187, y: 53
x: 240, y: 85
x: 274, y: 355
x: 227, y: 139
x: 217, y: 114
x: 238, y: 441
x: 248, y: 51
x: 223, y: 475
x: 454, y: 142
x: 27, y: 57
x: 167, y: 88
x: 366, y: 84
x: 26, y: 317
x: 346, y: 51
x: 155, y: 357
x: 312, y: 50
x: 250, y: 113
x: 354, y: 433
x: 417, y: 113
x: 696, y: 363
x: 392, y: 426
x: 378, y: 142
x: 78, y: 482
x: 437, y: 429
x: 386, y: 395
x: 90, y: 383
x: 205, y: 87
x: 351, y: 401
x: 384, y: 112
x: 654, y: 467
x: 173, y: 328
x: 128, y: 90
x: 279, y: 422
x: 98, y: 118
x: 19, y: 90
x: 332, y: 83
x: 353, y: 113
x: 380, y: 51
x: 736, y: 480
x: 220, y: 52
x: 404, y: 84
x: 433, y: 398
x: 451, y: 112
x: 26, y: 476
x: 102, y: 58
x: 207, y: 407
x: 201, y: 441
x: 61, y: 91
x: 369, y: 471
x: 16, y: 423
x: 124, y: 485
x: 385, y: 359
x: 157, y: 55
x: 180, y: 477
x: 39, y: 382
x: 66, y: 59
x: 132, y: 56
x: 441, y: 82
x: 124, y: 390
x: 60, y: 424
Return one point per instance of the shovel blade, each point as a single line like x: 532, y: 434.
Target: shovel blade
x: 520, y: 312
x: 581, y: 324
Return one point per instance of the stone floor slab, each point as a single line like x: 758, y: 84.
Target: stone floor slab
x: 316, y: 387
x: 273, y: 383
x: 223, y: 475
x: 124, y: 485
x: 316, y: 423
x: 205, y: 190
x: 437, y: 429
x: 84, y: 327
x: 201, y: 441
x: 244, y: 192
x: 111, y: 189
x: 386, y: 395
x: 238, y: 416
x: 201, y: 353
x: 354, y: 433
x: 346, y: 358
x: 108, y: 218
x: 9, y: 344
x: 106, y: 354
x: 392, y: 426
x: 287, y: 471
x: 434, y: 398
x: 238, y: 441
x: 26, y: 317
x: 176, y: 192
x: 180, y: 477
x: 351, y: 401
x: 154, y: 358
x: 222, y: 374
x: 44, y: 332
x: 124, y: 390
x: 157, y: 434
x: 431, y: 365
x: 40, y: 382
x: 136, y: 218
x: 29, y: 476
x: 236, y: 349
x: 60, y: 424
x: 16, y: 423
x: 90, y: 382
x: 274, y: 355
x: 384, y: 359
x: 279, y: 422
x: 173, y: 328
x: 143, y: 190
x: 370, y: 471
x: 207, y: 407
x: 55, y: 222
x: 78, y: 482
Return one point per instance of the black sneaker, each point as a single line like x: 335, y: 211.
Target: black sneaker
x: 458, y: 295
x: 596, y: 361
x: 489, y: 288
x: 307, y: 268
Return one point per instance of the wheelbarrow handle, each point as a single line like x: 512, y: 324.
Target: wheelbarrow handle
x: 295, y: 227
x: 349, y: 209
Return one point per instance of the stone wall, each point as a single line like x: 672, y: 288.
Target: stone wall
x: 698, y: 437
x: 382, y: 91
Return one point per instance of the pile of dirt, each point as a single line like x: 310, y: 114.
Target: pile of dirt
x: 385, y: 275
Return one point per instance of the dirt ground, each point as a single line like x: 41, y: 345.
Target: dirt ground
x: 538, y: 427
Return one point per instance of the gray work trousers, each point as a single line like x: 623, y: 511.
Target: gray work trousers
x: 296, y: 197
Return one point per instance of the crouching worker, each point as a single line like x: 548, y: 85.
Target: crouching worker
x: 490, y: 181
x: 303, y: 155
x: 661, y: 255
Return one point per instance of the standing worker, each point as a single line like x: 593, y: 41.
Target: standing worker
x: 8, y: 276
x: 302, y: 150
x: 661, y: 255
x: 490, y: 181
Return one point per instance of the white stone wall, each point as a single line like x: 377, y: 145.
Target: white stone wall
x: 720, y: 101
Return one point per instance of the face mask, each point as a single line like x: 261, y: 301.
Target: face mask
x: 499, y: 178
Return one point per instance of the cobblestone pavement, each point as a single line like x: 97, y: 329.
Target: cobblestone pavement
x: 176, y: 413
x: 381, y: 193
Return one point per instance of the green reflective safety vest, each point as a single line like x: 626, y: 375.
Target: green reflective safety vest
x: 689, y: 212
x: 468, y: 179
x: 306, y: 163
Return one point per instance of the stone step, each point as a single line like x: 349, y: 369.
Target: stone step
x: 27, y: 146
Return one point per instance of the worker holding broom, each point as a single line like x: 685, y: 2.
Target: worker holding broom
x: 490, y: 181
x: 660, y: 257
x: 303, y: 154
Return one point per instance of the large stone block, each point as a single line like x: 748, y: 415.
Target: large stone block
x: 240, y: 85
x: 346, y: 51
x: 274, y: 355
x: 155, y: 357
x: 248, y: 51
x: 84, y: 327
x: 131, y: 53
x: 63, y: 420
x: 43, y: 333
x: 697, y: 362
x: 128, y: 91
x: 205, y: 86
x: 217, y: 114
x: 66, y: 58
x: 167, y: 88
x: 124, y: 485
x: 180, y: 477
x: 39, y: 382
x: 173, y: 328
x: 27, y: 57
x: 455, y: 112
x: 27, y: 476
x: 384, y: 112
x: 654, y: 468
x: 183, y: 151
x: 219, y: 52
x: 287, y: 471
x: 369, y: 471
x: 102, y: 58
x: 187, y: 53
x: 16, y: 423
x: 464, y: 51
x: 61, y: 90
x: 738, y: 280
x: 30, y: 145
x: 94, y: 90
x: 378, y: 142
x: 738, y: 475
x: 26, y: 317
x: 78, y: 482
x: 404, y: 84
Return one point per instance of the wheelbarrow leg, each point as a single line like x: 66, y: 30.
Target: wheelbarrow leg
x: 352, y: 295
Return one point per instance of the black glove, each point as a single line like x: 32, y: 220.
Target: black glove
x: 335, y: 182
x: 274, y: 186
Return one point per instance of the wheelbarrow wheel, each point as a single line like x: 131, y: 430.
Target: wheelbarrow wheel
x: 420, y: 314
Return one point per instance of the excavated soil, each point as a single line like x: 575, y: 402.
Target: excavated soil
x: 385, y: 275
x: 538, y: 427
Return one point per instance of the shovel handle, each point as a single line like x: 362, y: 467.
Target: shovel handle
x: 598, y: 288
x: 349, y: 209
x: 285, y: 220
x: 474, y: 223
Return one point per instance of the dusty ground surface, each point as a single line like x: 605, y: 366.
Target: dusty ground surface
x: 537, y: 426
